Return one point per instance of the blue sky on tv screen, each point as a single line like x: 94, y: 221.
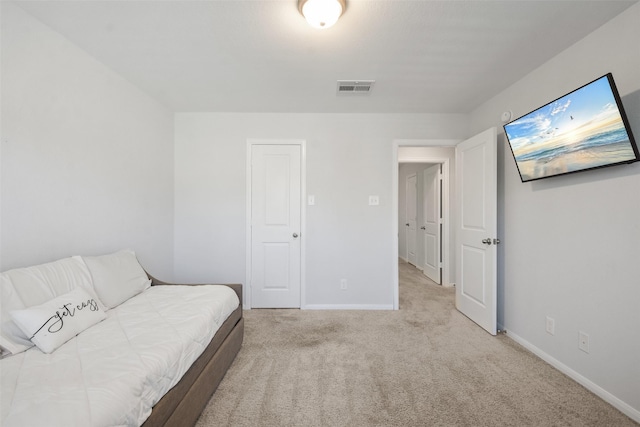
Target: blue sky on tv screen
x: 591, y: 102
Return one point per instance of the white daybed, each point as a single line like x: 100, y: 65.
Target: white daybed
x: 142, y: 353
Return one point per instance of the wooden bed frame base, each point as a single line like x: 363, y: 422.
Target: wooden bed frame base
x: 183, y: 404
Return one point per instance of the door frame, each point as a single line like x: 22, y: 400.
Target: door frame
x: 446, y: 233
x: 303, y: 215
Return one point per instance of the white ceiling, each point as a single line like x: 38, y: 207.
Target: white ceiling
x: 426, y: 56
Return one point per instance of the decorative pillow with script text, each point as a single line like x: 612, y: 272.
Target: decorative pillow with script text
x: 55, y: 322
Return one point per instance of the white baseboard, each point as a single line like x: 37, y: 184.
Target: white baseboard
x: 348, y: 307
x: 623, y: 407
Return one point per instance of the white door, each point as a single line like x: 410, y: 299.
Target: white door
x: 412, y: 216
x: 275, y: 226
x: 432, y: 219
x: 477, y: 228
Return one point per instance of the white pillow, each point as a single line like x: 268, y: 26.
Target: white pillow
x: 117, y: 277
x: 30, y: 286
x: 55, y: 322
x: 11, y: 337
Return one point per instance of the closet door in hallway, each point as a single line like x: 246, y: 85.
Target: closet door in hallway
x: 432, y: 214
x: 412, y: 218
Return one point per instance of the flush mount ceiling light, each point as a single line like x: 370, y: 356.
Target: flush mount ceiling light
x: 321, y: 13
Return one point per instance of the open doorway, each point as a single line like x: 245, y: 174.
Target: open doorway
x: 423, y: 152
x: 472, y: 262
x: 420, y: 217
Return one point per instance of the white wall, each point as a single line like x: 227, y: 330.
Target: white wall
x: 348, y: 159
x: 571, y: 245
x: 87, y: 159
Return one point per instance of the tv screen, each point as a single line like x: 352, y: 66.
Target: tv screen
x: 585, y: 129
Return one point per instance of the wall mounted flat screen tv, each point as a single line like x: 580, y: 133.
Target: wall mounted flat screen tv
x: 585, y: 129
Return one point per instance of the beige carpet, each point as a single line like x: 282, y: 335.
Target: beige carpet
x: 424, y: 365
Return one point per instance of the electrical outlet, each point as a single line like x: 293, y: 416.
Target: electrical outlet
x: 551, y: 325
x: 374, y: 200
x: 583, y: 342
x: 343, y: 284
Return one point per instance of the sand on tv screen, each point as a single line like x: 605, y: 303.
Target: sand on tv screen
x: 582, y: 130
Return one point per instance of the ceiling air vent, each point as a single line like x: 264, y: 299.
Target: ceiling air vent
x: 355, y: 87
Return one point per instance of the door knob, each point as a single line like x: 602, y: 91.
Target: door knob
x: 295, y: 235
x: 407, y: 224
x: 423, y: 228
x: 486, y: 241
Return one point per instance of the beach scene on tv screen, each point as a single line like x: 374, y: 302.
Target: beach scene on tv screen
x: 581, y: 130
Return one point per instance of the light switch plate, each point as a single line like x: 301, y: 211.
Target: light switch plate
x: 311, y: 200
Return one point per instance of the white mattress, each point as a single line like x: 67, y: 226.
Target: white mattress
x: 114, y: 372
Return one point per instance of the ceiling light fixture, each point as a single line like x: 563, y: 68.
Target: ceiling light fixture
x: 321, y: 13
